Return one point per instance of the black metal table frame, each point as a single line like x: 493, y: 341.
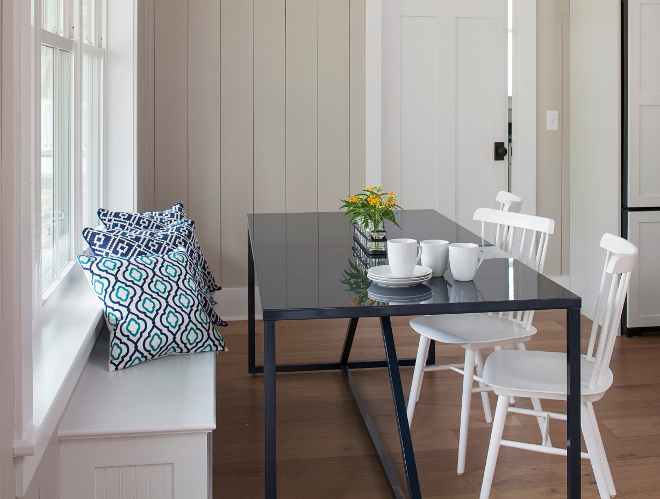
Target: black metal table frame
x: 270, y: 368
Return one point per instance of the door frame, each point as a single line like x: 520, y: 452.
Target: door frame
x: 523, y: 167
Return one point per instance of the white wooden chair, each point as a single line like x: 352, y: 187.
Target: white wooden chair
x: 543, y: 374
x: 509, y: 202
x: 475, y: 332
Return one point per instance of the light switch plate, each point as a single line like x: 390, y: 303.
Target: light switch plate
x: 553, y: 120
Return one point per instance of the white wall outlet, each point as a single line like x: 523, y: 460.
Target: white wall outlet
x: 553, y: 120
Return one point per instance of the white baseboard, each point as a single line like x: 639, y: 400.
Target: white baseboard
x: 233, y: 302
x: 562, y: 280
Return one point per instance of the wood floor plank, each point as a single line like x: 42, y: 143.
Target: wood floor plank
x: 321, y: 437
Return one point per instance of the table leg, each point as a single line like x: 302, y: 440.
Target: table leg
x: 573, y: 445
x: 251, y: 311
x: 430, y: 358
x: 348, y: 342
x: 270, y: 419
x: 400, y: 409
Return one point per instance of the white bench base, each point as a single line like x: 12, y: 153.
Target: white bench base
x: 140, y: 433
x: 163, y: 466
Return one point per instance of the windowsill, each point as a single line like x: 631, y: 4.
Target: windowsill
x: 61, y: 346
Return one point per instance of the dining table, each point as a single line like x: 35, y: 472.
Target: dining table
x: 312, y: 266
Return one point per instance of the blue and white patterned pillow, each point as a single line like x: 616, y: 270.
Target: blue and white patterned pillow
x: 151, y: 220
x: 126, y: 244
x: 152, y: 306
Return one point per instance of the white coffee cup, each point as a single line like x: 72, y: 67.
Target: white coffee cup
x: 403, y: 255
x: 464, y: 260
x: 435, y: 255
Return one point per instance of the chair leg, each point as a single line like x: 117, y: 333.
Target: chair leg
x: 594, y: 454
x: 601, y: 451
x: 536, y: 403
x: 494, y: 447
x: 484, y: 395
x: 512, y: 400
x: 415, y: 388
x: 468, y: 377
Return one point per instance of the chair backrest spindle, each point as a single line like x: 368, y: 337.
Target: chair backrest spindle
x: 619, y: 264
x: 528, y: 251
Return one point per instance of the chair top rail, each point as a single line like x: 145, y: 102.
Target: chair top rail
x: 519, y: 220
x: 509, y: 202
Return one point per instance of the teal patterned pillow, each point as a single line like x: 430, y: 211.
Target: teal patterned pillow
x: 151, y: 220
x: 153, y: 307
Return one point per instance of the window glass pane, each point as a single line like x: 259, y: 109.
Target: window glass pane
x: 47, y: 172
x: 51, y: 15
x: 63, y: 175
x: 86, y: 130
x: 97, y: 149
x: 88, y: 21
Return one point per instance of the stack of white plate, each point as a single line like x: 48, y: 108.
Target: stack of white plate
x: 382, y: 275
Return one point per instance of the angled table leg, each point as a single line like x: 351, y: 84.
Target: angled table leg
x: 400, y: 409
x: 573, y: 445
x: 251, y: 311
x: 384, y: 461
x: 270, y: 419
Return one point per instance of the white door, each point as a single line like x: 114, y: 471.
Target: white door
x: 444, y: 104
x: 643, y: 103
x: 643, y: 297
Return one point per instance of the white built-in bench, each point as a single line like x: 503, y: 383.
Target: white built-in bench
x: 141, y: 432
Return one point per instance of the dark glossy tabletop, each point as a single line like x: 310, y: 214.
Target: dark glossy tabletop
x: 305, y: 268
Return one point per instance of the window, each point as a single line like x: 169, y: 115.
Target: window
x: 70, y: 176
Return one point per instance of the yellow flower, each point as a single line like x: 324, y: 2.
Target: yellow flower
x: 353, y: 199
x: 370, y: 188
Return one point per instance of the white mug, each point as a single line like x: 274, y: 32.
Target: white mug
x: 435, y: 255
x: 464, y: 260
x: 403, y: 255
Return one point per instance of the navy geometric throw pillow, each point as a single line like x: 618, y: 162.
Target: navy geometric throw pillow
x: 151, y: 220
x: 152, y: 306
x: 128, y: 244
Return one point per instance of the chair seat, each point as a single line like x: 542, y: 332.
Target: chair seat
x: 528, y: 373
x: 482, y: 329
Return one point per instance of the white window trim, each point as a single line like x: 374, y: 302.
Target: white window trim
x: 50, y: 351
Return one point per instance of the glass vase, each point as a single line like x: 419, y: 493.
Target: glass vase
x: 372, y: 241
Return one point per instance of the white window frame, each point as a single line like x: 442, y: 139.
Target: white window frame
x: 46, y: 370
x: 72, y: 12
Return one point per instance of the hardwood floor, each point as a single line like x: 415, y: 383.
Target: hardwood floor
x: 323, y: 451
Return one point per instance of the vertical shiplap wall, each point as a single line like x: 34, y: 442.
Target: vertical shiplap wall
x: 258, y: 107
x: 171, y: 98
x: 184, y: 130
x: 292, y: 113
x: 237, y: 134
x: 203, y: 72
